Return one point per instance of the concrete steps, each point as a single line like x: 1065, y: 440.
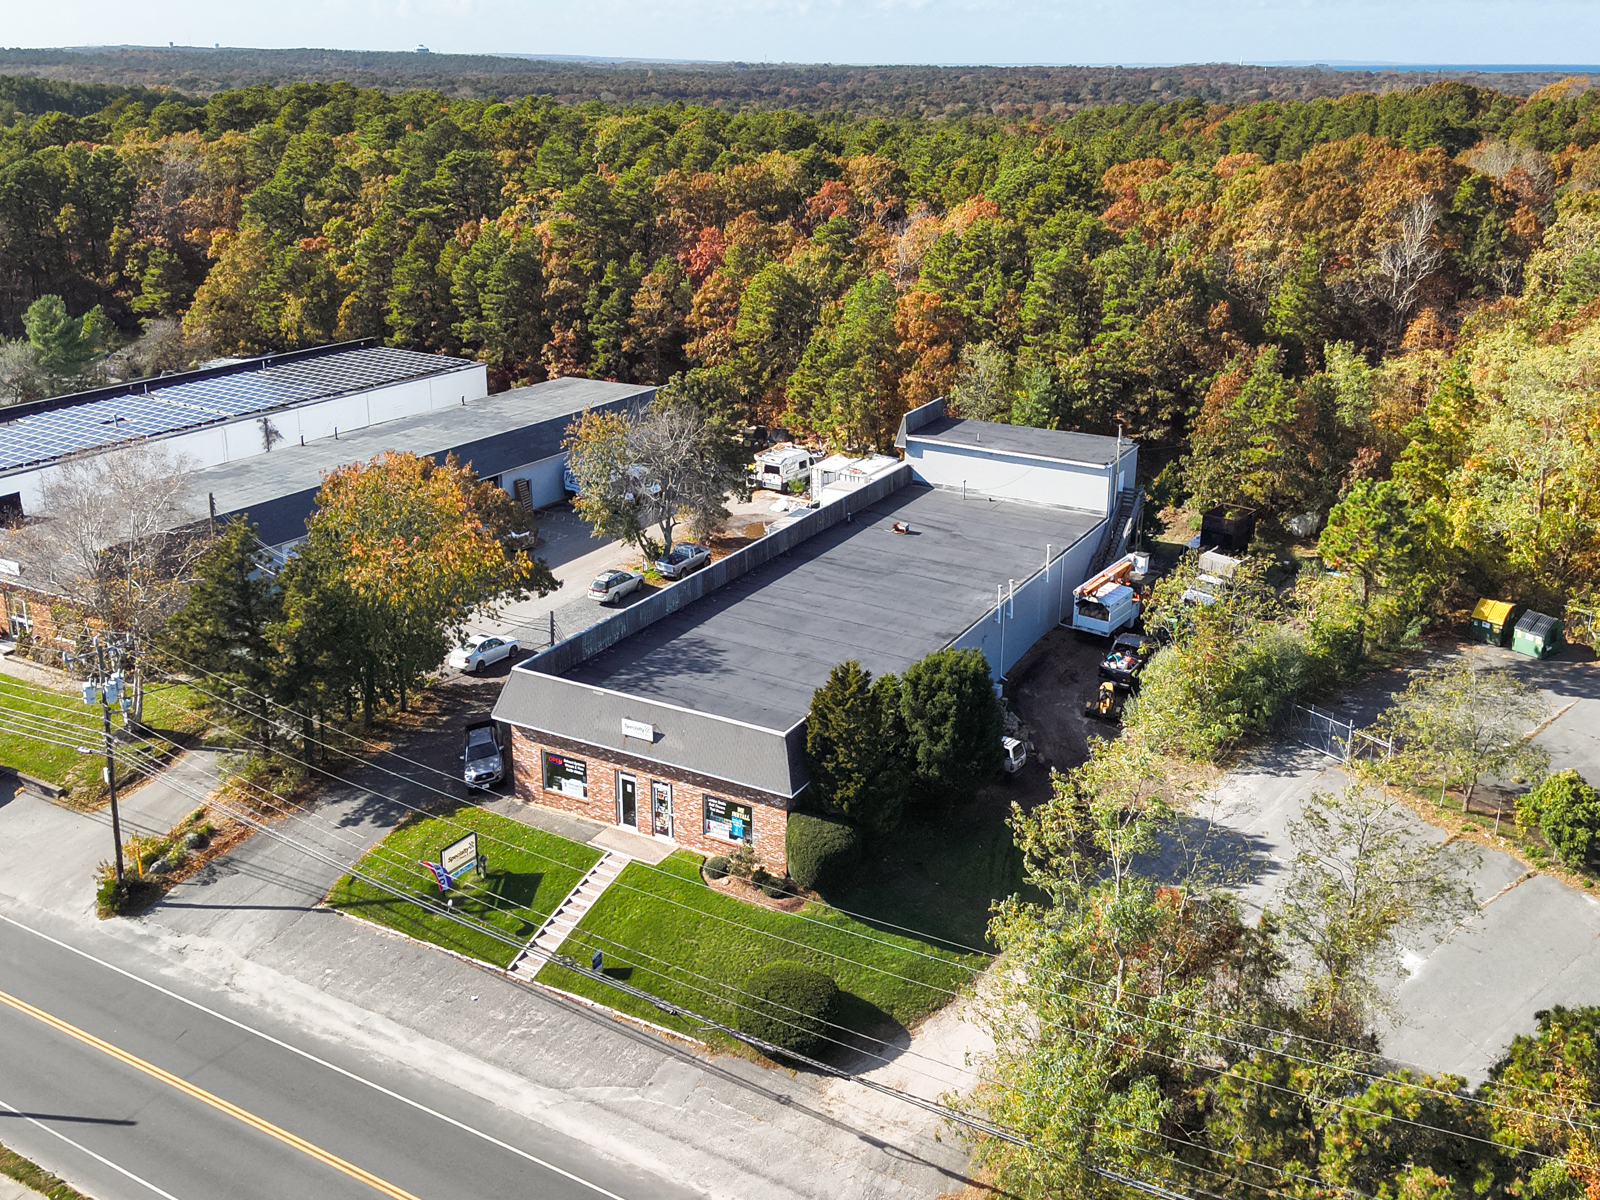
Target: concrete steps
x: 569, y: 912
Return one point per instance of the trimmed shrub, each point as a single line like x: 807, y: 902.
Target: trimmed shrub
x: 773, y: 886
x: 112, y: 899
x: 716, y: 867
x: 1567, y: 812
x: 823, y: 853
x: 791, y: 1005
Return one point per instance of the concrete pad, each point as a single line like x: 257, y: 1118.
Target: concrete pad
x: 10, y: 1189
x: 574, y: 829
x: 633, y: 845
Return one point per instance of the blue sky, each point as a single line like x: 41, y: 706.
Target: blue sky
x: 882, y: 31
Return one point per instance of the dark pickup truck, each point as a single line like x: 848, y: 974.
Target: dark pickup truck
x: 483, y: 759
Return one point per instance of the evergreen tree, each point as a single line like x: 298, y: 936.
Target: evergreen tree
x: 224, y: 626
x: 851, y: 735
x: 952, y: 724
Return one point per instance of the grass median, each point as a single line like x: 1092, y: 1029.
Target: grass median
x: 529, y: 872
x: 49, y: 724
x: 663, y: 930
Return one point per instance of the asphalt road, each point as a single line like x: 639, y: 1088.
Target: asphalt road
x: 128, y: 1087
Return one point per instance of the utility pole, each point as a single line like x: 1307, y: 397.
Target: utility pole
x: 106, y: 686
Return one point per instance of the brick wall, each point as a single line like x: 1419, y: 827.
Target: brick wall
x: 769, y: 813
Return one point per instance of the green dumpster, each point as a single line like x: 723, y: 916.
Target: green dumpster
x: 1492, y: 621
x: 1537, y: 635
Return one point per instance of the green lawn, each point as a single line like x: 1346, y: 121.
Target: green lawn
x: 939, y: 879
x: 684, y: 940
x: 523, y: 886
x: 169, y: 708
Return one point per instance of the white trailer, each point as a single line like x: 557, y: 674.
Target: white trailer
x: 780, y: 466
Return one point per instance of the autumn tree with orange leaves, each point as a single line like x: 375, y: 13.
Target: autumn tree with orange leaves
x: 404, y: 550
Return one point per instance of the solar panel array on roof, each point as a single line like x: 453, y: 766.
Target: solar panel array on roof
x: 37, y: 437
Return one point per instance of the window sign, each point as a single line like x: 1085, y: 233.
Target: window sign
x: 567, y: 775
x: 729, y: 821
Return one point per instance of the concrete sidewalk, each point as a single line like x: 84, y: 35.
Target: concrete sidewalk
x: 250, y: 925
x: 50, y: 852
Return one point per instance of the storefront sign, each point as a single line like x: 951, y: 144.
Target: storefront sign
x: 729, y: 821
x: 638, y: 729
x: 569, y: 776
x: 460, y: 857
x: 7, y: 567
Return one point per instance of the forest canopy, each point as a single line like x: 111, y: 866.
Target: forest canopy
x: 1290, y: 297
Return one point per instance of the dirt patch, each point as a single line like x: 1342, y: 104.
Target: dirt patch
x: 743, y: 889
x: 1048, y: 690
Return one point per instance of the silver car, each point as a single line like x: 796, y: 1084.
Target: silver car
x: 614, y: 585
x: 684, y: 558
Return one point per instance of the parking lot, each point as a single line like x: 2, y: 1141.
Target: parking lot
x: 1462, y: 992
x: 575, y: 556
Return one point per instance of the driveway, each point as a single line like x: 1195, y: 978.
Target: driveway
x: 1461, y: 993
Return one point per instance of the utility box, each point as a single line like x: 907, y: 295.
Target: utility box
x: 1537, y: 635
x: 1228, y: 528
x: 1493, y: 621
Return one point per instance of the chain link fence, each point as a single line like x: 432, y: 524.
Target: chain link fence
x: 1337, y: 739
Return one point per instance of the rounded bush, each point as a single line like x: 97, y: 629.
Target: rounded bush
x: 1567, y: 811
x: 790, y: 1005
x: 716, y: 867
x: 823, y: 853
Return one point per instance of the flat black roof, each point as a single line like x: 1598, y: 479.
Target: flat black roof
x: 1055, y: 444
x: 756, y: 648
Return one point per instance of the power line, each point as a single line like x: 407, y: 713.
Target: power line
x: 958, y: 1116
x: 660, y: 1004
x: 1111, y: 1008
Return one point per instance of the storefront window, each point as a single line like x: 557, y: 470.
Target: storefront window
x: 567, y: 775
x: 729, y: 821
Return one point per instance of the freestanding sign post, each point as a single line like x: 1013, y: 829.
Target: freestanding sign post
x: 459, y: 857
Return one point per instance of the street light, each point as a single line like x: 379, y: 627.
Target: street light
x: 105, y: 684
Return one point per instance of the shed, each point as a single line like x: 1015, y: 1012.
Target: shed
x: 1537, y: 635
x: 1492, y: 621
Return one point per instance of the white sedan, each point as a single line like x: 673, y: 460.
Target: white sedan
x: 477, y: 653
x: 614, y: 585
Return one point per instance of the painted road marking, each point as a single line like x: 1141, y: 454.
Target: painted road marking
x: 216, y: 1102
x: 309, y: 1057
x: 97, y: 1157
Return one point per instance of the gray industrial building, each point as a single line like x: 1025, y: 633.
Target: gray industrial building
x: 511, y: 438
x: 258, y: 435
x: 683, y: 716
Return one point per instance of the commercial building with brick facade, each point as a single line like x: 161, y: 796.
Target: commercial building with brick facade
x: 683, y: 716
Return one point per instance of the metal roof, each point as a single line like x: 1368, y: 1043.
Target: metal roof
x: 106, y: 417
x: 494, y: 434
x: 1056, y: 445
x: 766, y: 759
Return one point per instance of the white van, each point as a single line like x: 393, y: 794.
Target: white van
x: 777, y: 468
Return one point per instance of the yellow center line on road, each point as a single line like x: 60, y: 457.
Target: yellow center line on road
x: 216, y: 1102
